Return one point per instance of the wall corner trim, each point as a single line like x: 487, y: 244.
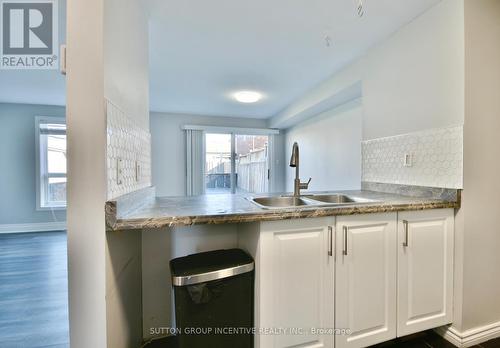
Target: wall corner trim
x: 470, y: 337
x: 33, y: 227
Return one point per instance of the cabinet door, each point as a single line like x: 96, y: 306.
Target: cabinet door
x: 425, y: 271
x: 365, y: 282
x: 299, y: 271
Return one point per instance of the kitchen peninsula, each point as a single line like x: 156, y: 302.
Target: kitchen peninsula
x: 373, y: 251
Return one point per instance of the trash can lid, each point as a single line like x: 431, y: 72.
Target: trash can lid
x: 208, y: 266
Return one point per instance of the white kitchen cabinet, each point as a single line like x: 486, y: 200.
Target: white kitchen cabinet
x: 425, y: 269
x: 365, y: 281
x: 362, y: 278
x: 295, y: 284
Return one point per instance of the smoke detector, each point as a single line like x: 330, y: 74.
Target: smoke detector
x: 360, y: 8
x: 328, y: 41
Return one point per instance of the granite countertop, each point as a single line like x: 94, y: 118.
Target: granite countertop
x: 158, y: 212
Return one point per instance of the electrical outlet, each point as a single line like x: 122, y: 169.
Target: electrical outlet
x: 62, y: 60
x: 408, y: 160
x: 119, y: 171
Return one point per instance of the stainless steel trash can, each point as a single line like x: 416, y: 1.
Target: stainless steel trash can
x: 214, y: 299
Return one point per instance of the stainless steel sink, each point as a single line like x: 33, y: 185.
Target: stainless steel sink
x: 281, y: 202
x: 339, y: 199
x: 277, y: 202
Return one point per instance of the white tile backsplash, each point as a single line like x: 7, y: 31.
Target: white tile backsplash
x: 436, y: 156
x: 128, y: 142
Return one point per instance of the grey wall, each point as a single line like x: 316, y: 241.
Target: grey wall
x: 18, y: 168
x: 330, y: 149
x: 169, y: 147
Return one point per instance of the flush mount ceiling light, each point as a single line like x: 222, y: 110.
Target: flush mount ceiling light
x: 247, y: 96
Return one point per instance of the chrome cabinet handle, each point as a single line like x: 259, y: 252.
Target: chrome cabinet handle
x: 330, y: 241
x: 405, y: 226
x: 345, y: 229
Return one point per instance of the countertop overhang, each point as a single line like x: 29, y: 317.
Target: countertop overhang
x: 142, y: 210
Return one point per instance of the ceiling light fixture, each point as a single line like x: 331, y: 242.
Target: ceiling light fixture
x: 247, y: 96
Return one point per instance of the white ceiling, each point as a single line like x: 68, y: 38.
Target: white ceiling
x: 46, y: 87
x: 201, y: 51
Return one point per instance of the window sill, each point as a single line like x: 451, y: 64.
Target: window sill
x: 50, y: 208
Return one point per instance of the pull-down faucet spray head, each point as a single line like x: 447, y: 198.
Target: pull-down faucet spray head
x: 294, y: 160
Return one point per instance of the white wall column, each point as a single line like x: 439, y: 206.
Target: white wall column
x: 86, y: 173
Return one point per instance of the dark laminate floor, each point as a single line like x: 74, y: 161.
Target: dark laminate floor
x: 33, y: 290
x: 167, y: 342
x: 427, y: 339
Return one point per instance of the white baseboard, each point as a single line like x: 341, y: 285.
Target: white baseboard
x: 33, y: 227
x: 470, y: 337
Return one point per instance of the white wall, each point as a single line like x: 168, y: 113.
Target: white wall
x: 86, y: 174
x: 415, y: 80
x: 169, y: 147
x: 126, y: 85
x: 412, y: 81
x: 330, y: 149
x: 126, y: 58
x: 481, y: 239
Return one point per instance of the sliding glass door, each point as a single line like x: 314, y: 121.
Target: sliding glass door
x: 251, y: 163
x: 218, y: 167
x: 236, y: 163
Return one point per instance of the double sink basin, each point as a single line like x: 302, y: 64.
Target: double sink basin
x: 321, y: 200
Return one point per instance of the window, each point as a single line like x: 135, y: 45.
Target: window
x: 51, y: 162
x: 236, y: 163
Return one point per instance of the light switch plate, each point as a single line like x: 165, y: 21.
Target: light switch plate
x: 408, y: 160
x: 62, y: 61
x: 137, y: 171
x: 119, y: 171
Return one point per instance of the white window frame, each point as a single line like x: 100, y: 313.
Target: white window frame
x: 41, y: 166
